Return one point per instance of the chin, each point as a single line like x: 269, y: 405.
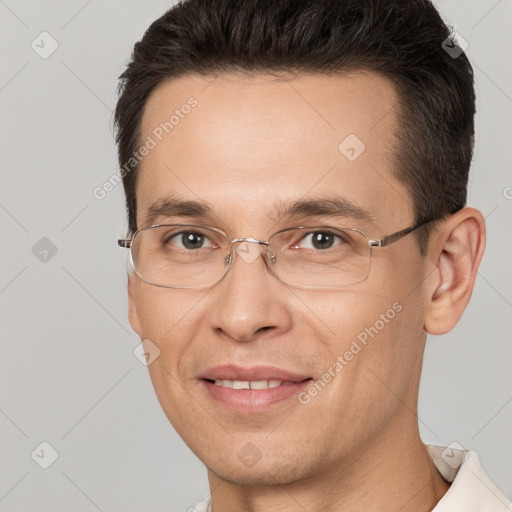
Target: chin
x: 261, y: 474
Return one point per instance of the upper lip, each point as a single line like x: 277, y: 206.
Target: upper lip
x: 252, y: 373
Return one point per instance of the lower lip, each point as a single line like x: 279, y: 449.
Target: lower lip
x: 252, y: 400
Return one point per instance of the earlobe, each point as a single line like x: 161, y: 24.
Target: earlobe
x: 132, y: 308
x: 457, y: 253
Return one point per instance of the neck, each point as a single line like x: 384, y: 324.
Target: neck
x: 396, y: 475
x: 393, y: 471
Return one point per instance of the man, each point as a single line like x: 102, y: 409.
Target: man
x: 295, y: 175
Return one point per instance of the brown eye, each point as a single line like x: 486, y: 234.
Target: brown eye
x: 320, y: 240
x: 190, y: 240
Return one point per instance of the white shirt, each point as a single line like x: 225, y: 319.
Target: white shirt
x: 470, y: 489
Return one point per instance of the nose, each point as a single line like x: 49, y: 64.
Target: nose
x: 250, y: 300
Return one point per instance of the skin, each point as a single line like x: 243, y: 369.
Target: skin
x: 252, y: 142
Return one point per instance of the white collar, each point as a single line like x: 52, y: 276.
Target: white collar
x: 470, y: 490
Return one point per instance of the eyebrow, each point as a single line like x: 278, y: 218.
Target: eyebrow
x: 336, y: 206
x: 174, y: 207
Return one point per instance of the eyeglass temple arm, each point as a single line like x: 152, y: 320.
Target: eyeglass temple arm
x: 388, y: 240
x: 125, y: 242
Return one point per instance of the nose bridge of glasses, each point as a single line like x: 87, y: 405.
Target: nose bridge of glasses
x: 242, y: 246
x: 249, y: 239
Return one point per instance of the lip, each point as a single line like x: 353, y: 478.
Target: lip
x: 251, y: 401
x: 234, y: 372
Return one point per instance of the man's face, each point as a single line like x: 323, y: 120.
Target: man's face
x: 249, y: 146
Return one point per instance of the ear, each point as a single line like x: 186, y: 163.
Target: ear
x: 132, y: 307
x: 456, y: 250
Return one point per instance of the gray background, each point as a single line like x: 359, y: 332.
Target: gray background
x: 67, y: 370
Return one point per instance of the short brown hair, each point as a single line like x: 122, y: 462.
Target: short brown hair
x: 401, y: 39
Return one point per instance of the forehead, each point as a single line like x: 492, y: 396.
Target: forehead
x: 246, y: 143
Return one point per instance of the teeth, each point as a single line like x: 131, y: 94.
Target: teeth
x: 240, y: 384
x: 259, y: 384
x: 253, y: 384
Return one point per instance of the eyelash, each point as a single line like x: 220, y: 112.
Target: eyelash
x: 304, y: 236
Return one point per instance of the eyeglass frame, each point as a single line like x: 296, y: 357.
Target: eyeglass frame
x: 382, y: 242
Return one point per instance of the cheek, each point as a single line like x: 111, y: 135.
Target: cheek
x: 166, y: 318
x: 164, y: 311
x: 349, y: 314
x: 373, y: 331
x: 169, y: 319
